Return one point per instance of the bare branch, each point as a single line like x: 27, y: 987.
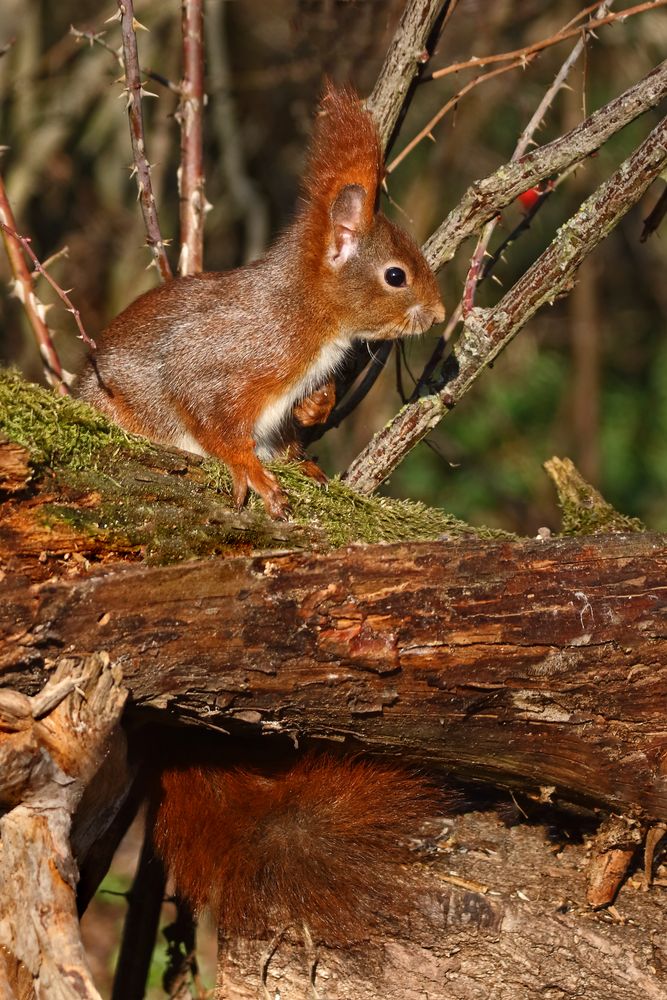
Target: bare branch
x: 24, y: 287
x: 135, y: 91
x: 486, y: 197
x: 190, y: 117
x: 525, y: 139
x: 487, y: 331
x: 560, y: 36
x: 519, y: 58
x: 421, y: 23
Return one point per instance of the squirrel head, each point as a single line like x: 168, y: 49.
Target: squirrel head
x: 371, y: 270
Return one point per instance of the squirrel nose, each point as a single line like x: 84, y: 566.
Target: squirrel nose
x: 439, y: 312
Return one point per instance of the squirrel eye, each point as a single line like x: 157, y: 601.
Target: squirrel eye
x: 395, y: 276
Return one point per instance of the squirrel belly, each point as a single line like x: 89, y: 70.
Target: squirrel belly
x: 320, y: 842
x: 274, y: 415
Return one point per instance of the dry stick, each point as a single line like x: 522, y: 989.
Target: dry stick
x: 487, y: 331
x: 190, y: 117
x: 519, y: 57
x: 135, y: 91
x: 24, y: 288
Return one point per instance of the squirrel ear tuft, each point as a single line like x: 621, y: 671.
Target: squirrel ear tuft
x: 348, y: 222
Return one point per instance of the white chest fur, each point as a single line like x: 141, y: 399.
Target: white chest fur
x: 266, y: 430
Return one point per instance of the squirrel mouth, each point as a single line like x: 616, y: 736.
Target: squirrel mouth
x: 421, y: 318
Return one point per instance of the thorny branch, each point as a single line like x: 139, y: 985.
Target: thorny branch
x: 487, y: 331
x: 517, y: 59
x: 135, y: 92
x: 24, y: 287
x: 190, y: 117
x: 486, y: 197
x: 560, y: 36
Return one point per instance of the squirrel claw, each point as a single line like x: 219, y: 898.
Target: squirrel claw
x: 313, y: 471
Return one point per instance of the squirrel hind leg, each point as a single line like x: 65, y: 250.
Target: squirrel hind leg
x: 238, y: 453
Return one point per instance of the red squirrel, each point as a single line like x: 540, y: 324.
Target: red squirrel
x: 215, y: 362
x: 317, y: 843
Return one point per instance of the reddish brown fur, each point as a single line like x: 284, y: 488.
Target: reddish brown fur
x: 323, y: 843
x: 345, y: 149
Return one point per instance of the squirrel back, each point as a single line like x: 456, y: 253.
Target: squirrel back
x: 320, y: 843
x: 215, y: 363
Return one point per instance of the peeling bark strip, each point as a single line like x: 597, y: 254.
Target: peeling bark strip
x: 529, y: 663
x: 487, y: 332
x: 51, y: 746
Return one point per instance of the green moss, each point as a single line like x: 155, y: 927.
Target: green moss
x: 584, y: 510
x: 167, y: 507
x: 346, y: 516
x: 57, y: 430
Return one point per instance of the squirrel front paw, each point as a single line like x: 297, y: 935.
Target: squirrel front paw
x: 315, y: 409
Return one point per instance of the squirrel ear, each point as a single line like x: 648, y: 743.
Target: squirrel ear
x: 348, y: 223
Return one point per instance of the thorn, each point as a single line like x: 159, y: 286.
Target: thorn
x: 137, y: 24
x: 429, y: 135
x: 494, y: 277
x: 118, y: 16
x: 146, y: 93
x: 566, y: 86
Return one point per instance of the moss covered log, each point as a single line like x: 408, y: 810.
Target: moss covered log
x: 99, y: 491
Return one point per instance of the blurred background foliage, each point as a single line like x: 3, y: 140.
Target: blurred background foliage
x: 585, y: 378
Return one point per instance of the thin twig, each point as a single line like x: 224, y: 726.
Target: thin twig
x: 135, y: 91
x: 97, y: 38
x: 476, y: 271
x: 24, y: 288
x: 60, y: 292
x: 519, y: 58
x: 544, y: 43
x: 410, y: 50
x: 487, y: 331
x: 451, y: 104
x: 190, y: 117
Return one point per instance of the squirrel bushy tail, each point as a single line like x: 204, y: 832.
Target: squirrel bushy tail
x: 321, y: 843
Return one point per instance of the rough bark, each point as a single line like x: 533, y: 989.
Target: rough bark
x: 538, y: 663
x: 51, y: 747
